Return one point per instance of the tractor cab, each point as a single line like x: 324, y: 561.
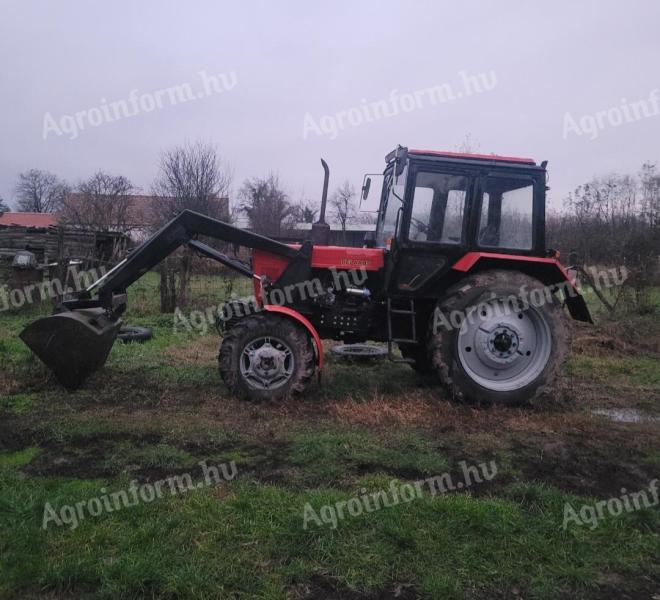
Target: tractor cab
x: 436, y: 207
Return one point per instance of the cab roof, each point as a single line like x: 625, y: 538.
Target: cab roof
x: 470, y: 156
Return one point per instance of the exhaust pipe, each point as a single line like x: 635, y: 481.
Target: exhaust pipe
x: 320, y: 229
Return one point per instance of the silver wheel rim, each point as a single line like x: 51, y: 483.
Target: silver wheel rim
x: 503, y: 349
x: 267, y: 363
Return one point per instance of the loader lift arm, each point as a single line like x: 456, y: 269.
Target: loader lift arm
x: 179, y: 231
x: 76, y: 340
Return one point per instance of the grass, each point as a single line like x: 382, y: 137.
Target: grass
x: 151, y: 455
x: 205, y: 291
x: 158, y: 409
x: 251, y: 543
x: 12, y: 460
x: 327, y: 456
x: 18, y: 403
x: 638, y: 371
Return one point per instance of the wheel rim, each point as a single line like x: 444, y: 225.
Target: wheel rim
x: 267, y: 363
x: 503, y: 349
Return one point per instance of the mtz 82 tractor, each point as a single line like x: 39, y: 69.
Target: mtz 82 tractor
x: 456, y: 276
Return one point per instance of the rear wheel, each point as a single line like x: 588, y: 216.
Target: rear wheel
x: 499, y: 336
x: 266, y: 357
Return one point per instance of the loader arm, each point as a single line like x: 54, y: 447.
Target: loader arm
x: 177, y: 232
x: 77, y: 339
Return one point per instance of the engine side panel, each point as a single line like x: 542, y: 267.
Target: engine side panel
x: 342, y: 257
x: 323, y: 257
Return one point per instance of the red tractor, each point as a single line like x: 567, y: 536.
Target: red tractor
x: 456, y: 275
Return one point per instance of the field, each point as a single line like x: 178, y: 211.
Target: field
x: 159, y: 409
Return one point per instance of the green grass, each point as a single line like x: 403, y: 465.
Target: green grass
x: 10, y: 460
x: 18, y: 403
x: 251, y: 542
x: 641, y: 371
x: 156, y: 455
x: 205, y: 291
x: 623, y: 301
x: 328, y: 456
x: 362, y: 380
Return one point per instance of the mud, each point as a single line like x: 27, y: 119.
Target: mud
x: 625, y: 415
x: 325, y: 588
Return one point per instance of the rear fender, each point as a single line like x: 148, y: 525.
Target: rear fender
x: 296, y: 316
x: 548, y: 270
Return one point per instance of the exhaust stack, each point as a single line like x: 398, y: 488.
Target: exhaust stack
x: 320, y: 229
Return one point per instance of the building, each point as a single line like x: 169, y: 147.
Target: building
x: 26, y: 219
x: 43, y: 239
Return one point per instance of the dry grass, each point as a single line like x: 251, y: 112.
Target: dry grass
x: 8, y: 385
x: 201, y: 351
x: 411, y: 409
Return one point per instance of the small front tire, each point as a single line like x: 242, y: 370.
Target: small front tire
x: 266, y: 357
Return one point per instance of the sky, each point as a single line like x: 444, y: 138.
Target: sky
x: 98, y: 85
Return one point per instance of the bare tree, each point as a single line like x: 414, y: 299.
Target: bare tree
x: 614, y: 220
x: 343, y: 206
x: 305, y: 212
x: 468, y: 145
x: 3, y: 206
x: 191, y: 177
x: 101, y: 203
x: 234, y: 212
x: 650, y: 194
x: 266, y: 205
x: 40, y: 191
x: 367, y: 218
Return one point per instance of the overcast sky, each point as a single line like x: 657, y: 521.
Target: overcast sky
x: 293, y: 68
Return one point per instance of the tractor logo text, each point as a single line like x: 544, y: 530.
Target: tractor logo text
x: 354, y: 262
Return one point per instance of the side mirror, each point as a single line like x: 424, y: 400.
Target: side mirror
x: 370, y: 239
x: 366, y: 186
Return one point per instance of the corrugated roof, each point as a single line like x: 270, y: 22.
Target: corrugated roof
x: 27, y: 219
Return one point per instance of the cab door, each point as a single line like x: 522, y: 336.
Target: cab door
x: 432, y: 229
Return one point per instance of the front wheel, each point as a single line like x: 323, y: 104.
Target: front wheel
x: 266, y: 357
x: 499, y: 337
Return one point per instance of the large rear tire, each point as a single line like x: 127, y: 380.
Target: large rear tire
x: 499, y: 337
x: 266, y: 357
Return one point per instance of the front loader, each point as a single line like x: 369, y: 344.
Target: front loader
x: 456, y: 279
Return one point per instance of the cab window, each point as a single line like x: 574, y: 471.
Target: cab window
x: 438, y: 208
x: 506, y: 213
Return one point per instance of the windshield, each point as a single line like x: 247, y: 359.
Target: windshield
x: 391, y: 202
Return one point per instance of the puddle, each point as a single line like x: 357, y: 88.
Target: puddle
x: 625, y: 415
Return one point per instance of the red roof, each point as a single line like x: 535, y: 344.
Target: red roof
x: 27, y: 219
x: 516, y: 159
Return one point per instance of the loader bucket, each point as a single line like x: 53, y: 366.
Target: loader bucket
x: 72, y: 344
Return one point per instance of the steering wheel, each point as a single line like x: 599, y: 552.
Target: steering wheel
x: 422, y: 228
